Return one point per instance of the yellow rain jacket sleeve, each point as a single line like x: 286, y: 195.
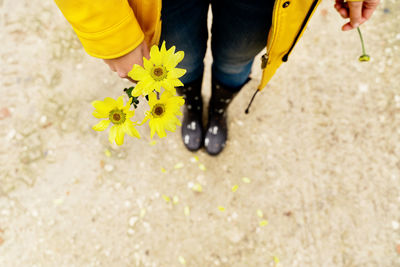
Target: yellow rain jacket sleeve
x: 107, y: 28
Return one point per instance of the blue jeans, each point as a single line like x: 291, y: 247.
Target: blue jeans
x: 239, y: 32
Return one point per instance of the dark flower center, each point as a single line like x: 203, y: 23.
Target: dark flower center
x: 158, y: 110
x: 159, y: 73
x: 117, y: 116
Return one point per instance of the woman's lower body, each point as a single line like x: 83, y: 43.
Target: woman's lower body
x: 239, y: 32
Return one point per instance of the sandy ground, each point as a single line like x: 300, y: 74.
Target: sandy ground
x: 321, y: 150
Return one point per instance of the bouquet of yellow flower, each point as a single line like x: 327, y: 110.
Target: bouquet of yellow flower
x: 159, y: 72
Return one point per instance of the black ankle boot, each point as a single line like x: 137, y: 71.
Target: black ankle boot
x: 217, y: 127
x: 192, y: 125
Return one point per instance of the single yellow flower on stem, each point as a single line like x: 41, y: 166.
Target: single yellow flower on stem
x: 159, y: 71
x: 115, y: 112
x: 163, y: 112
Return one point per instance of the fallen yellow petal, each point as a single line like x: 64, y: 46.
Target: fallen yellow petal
x: 179, y: 165
x: 197, y: 188
x: 153, y: 143
x: 182, y: 260
x: 186, y: 210
x: 142, y: 212
x: 202, y: 167
x: 263, y: 223
x: 107, y: 152
x: 166, y: 198
x: 163, y: 170
x: 246, y: 180
x: 260, y: 213
x: 235, y: 188
x: 221, y: 208
x: 276, y: 259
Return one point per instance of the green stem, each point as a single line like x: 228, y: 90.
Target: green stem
x: 362, y: 40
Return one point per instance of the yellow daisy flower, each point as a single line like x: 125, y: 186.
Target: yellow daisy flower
x: 159, y: 71
x: 119, y: 115
x: 163, y: 112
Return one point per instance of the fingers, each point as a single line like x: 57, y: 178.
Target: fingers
x: 369, y: 8
x: 355, y: 9
x: 342, y: 9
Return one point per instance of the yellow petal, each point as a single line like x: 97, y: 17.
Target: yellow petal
x: 99, y: 115
x: 104, y: 107
x: 147, y: 64
x: 163, y: 49
x: 174, y: 59
x: 102, y: 125
x: 197, y: 188
x: 155, y: 56
x: 152, y: 99
x: 235, y: 188
x: 138, y: 73
x: 166, y: 84
x: 160, y: 131
x: 139, y: 88
x: 119, y: 139
x: 120, y: 102
x: 112, y: 134
x: 130, y: 114
x: 131, y: 130
x: 157, y: 86
x: 176, y: 73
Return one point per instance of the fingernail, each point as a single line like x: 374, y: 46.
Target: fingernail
x: 355, y: 25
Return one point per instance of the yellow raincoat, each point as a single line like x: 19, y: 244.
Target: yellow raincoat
x: 112, y: 28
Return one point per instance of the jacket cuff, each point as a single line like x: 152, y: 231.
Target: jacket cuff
x: 115, y: 41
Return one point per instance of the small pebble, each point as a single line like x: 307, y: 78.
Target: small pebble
x: 133, y: 220
x: 363, y: 87
x: 131, y: 231
x: 58, y: 201
x: 395, y: 225
x: 182, y: 260
x: 43, y: 120
x: 186, y: 210
x: 175, y: 200
x: 142, y: 212
x: 4, y: 113
x: 108, y: 167
x: 260, y: 213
